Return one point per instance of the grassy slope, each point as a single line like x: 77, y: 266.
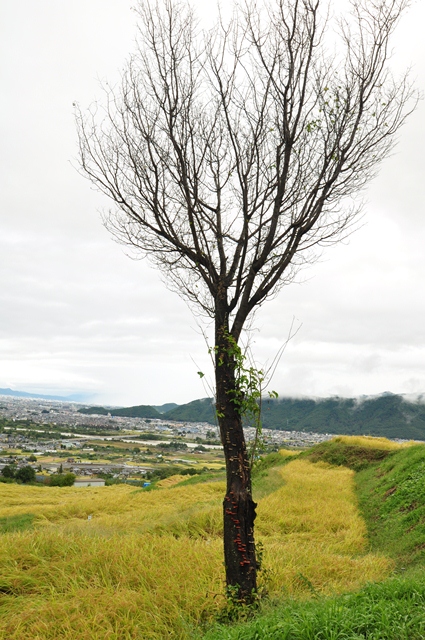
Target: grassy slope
x: 392, y: 499
x: 148, y: 565
x: 391, y: 494
x: 392, y: 610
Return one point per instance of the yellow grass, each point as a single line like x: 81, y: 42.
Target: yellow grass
x: 213, y: 466
x: 372, y: 442
x: 79, y: 587
x: 289, y: 453
x: 148, y: 565
x: 313, y: 533
x: 194, y: 510
x: 171, y: 481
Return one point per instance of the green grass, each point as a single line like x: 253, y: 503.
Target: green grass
x: 266, y: 477
x: 16, y: 523
x: 212, y: 476
x: 392, y: 501
x: 393, y: 610
x: 340, y: 453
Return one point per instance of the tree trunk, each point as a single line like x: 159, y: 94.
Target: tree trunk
x: 238, y: 506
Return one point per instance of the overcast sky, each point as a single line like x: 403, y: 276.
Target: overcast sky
x: 78, y: 316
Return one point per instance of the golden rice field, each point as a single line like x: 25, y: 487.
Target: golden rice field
x: 373, y: 443
x: 148, y: 565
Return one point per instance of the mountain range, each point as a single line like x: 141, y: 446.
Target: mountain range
x: 389, y: 415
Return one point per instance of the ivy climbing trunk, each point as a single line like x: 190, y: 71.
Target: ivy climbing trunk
x: 238, y: 505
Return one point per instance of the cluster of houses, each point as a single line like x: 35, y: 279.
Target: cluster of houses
x: 19, y: 461
x: 66, y: 413
x: 22, y: 461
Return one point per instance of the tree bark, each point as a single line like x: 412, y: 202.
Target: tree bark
x: 238, y: 505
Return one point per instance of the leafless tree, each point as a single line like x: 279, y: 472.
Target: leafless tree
x: 232, y: 156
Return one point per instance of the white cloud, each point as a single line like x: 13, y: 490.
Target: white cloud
x: 78, y: 315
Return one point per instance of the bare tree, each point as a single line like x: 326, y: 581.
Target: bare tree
x: 232, y: 156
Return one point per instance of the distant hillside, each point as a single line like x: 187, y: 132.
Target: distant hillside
x: 41, y: 396
x: 140, y: 411
x: 195, y: 411
x: 163, y: 408
x: 387, y: 415
x: 96, y: 411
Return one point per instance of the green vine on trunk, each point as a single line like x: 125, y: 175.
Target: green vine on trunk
x: 247, y: 394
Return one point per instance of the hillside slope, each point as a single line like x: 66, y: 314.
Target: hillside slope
x: 196, y: 411
x: 139, y: 411
x: 388, y: 415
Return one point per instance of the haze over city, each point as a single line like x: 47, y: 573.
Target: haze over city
x: 78, y: 316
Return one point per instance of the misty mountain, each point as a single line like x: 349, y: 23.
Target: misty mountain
x: 388, y: 415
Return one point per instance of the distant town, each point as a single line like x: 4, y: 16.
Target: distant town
x: 53, y: 436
